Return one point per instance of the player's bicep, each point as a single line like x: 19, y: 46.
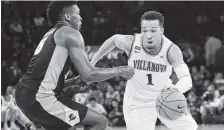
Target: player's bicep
x: 80, y: 61
x: 79, y: 58
x: 175, y: 56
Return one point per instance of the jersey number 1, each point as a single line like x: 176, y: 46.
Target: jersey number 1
x: 149, y: 79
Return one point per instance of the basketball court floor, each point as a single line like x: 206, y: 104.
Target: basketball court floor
x: 162, y: 127
x: 200, y: 127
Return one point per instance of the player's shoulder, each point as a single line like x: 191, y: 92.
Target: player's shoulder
x: 167, y: 40
x: 123, y: 42
x: 67, y: 31
x: 174, y: 54
x: 171, y: 46
x: 123, y: 38
x: 174, y: 49
x: 70, y: 35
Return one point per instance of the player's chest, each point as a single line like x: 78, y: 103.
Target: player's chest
x: 145, y: 63
x: 140, y: 57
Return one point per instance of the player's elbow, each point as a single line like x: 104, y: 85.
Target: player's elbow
x: 188, y: 82
x: 184, y: 84
x: 114, y: 38
x: 87, y: 78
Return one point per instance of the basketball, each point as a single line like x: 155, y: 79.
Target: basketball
x: 171, y: 104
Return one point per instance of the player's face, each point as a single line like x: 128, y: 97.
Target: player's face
x: 76, y: 20
x: 152, y: 33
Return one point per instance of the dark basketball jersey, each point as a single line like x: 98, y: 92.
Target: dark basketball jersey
x: 48, y: 66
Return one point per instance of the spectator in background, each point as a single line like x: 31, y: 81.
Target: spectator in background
x: 221, y: 17
x: 27, y: 33
x: 221, y: 106
x: 5, y: 77
x: 15, y: 27
x: 218, y: 76
x: 206, y: 84
x: 192, y: 97
x: 195, y: 112
x: 219, y: 57
x: 38, y: 20
x: 9, y: 109
x: 115, y: 115
x: 99, y: 25
x: 12, y: 113
x: 199, y: 58
x: 16, y: 44
x: 211, y: 46
x: 98, y: 20
x: 203, y: 71
x: 97, y: 94
x: 15, y: 71
x: 111, y: 94
x: 81, y: 98
x: 6, y: 44
x: 210, y: 104
x: 194, y: 105
x: 197, y: 78
x: 30, y: 44
x: 27, y: 20
x: 223, y: 33
x: 96, y: 106
x: 188, y: 53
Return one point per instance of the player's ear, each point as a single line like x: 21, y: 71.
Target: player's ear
x: 162, y: 30
x: 67, y: 16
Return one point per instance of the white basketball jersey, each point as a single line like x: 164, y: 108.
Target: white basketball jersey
x: 152, y: 72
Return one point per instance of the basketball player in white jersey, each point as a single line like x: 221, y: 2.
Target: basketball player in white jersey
x: 153, y: 56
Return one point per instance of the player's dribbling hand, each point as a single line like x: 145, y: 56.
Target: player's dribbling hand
x: 169, y: 88
x: 126, y: 72
x: 80, y: 82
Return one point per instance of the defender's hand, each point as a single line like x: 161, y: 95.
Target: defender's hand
x: 126, y: 72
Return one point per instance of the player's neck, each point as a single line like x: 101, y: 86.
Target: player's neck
x: 64, y: 23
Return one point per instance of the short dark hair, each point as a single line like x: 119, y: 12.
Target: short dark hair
x: 92, y: 99
x: 153, y: 15
x: 54, y: 9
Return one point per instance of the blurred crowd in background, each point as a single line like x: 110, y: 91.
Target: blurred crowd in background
x: 196, y: 27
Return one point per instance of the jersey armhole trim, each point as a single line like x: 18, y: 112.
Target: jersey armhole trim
x: 129, y: 56
x: 52, y: 38
x: 167, y: 54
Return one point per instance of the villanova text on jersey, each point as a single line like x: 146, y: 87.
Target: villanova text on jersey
x: 149, y: 66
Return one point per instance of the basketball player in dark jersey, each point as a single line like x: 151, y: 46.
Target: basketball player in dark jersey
x: 61, y: 47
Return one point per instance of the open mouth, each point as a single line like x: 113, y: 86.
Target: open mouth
x: 150, y: 42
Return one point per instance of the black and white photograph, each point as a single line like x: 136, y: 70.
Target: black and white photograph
x: 112, y: 65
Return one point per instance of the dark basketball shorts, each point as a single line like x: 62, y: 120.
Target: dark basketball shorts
x: 49, y: 111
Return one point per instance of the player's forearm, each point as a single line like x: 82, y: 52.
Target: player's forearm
x: 184, y: 78
x: 184, y: 84
x: 107, y: 46
x: 101, y: 74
